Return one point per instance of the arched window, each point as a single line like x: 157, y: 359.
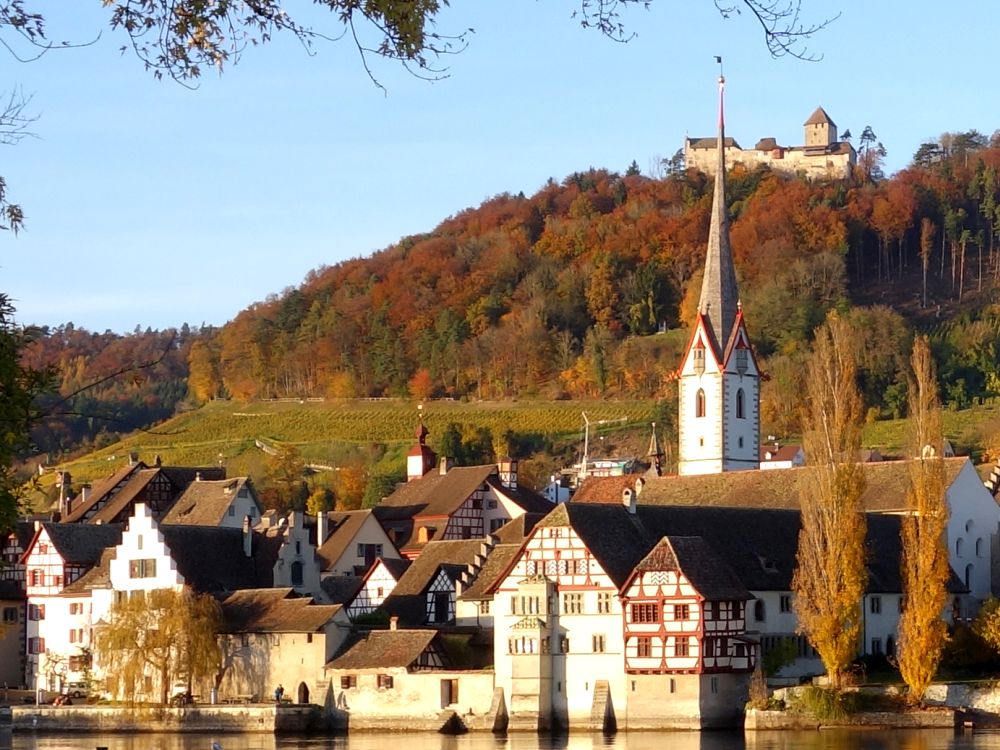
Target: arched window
x: 979, y: 547
x: 758, y: 610
x: 968, y: 576
x: 699, y: 403
x: 740, y: 404
x: 959, y: 547
x: 296, y: 573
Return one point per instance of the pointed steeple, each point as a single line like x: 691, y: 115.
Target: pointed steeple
x: 719, y: 295
x: 655, y: 454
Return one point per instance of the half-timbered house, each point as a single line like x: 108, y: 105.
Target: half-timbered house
x: 452, y: 503
x: 113, y: 499
x: 57, y: 555
x: 350, y: 542
x: 376, y: 585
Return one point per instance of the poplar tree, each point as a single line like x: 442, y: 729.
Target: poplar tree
x: 163, y: 634
x: 831, y: 572
x: 922, y: 631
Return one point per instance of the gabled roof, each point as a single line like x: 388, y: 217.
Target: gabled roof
x: 343, y: 527
x: 525, y: 498
x: 712, y: 142
x: 133, y: 480
x: 497, y: 563
x: 98, y: 577
x: 206, y: 502
x: 693, y: 558
x: 407, y: 600
x: 781, y: 453
x: 819, y: 117
x: 211, y: 558
x: 341, y: 589
x: 760, y: 545
x: 273, y: 611
x: 436, y: 494
x: 516, y: 530
x: 885, y: 489
x: 80, y: 544
x: 385, y: 649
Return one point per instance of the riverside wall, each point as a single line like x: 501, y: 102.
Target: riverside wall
x: 209, y: 718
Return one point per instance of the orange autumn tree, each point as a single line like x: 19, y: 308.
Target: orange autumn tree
x: 922, y: 631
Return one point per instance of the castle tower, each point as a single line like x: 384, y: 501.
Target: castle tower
x: 820, y: 129
x: 718, y: 380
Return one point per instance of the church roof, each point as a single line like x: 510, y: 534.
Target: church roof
x: 885, y: 490
x: 719, y: 294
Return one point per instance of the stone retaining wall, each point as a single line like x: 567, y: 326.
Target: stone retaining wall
x: 260, y: 718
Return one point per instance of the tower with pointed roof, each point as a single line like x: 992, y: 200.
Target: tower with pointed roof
x: 718, y: 380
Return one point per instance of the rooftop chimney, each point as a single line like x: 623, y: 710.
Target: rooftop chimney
x: 85, y: 492
x: 197, y: 476
x: 628, y: 500
x: 444, y: 465
x: 133, y: 458
x: 320, y: 528
x: 393, y: 621
x: 247, y: 537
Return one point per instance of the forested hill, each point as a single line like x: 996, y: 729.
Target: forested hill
x: 555, y: 294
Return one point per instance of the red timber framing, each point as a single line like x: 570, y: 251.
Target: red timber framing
x: 671, y: 628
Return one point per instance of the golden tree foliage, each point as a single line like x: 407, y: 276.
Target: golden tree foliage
x: 831, y: 572
x: 163, y: 634
x: 922, y: 631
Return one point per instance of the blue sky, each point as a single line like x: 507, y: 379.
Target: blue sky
x: 149, y: 204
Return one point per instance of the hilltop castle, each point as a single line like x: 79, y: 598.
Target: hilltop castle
x: 822, y: 156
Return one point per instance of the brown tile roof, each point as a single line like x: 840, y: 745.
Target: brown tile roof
x: 774, y: 488
x: 496, y: 565
x: 407, y: 600
x: 819, y: 117
x: 518, y: 529
x: 523, y: 497
x: 384, y: 649
x: 712, y: 142
x: 341, y: 589
x: 759, y: 544
x: 781, y: 453
x: 343, y: 527
x: 274, y: 611
x: 211, y: 559
x: 205, y: 502
x: 98, y: 577
x: 699, y: 563
x: 436, y: 494
x: 82, y: 544
x: 127, y: 484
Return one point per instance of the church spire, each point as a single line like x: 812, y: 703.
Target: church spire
x: 719, y: 295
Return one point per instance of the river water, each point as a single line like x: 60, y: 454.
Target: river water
x: 870, y: 739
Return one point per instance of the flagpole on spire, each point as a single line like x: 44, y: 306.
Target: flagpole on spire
x: 722, y: 88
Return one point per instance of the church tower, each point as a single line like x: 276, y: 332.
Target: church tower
x: 718, y: 380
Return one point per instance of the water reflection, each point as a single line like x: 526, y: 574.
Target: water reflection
x: 825, y: 740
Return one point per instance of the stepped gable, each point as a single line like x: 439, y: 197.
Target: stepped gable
x: 407, y: 600
x: 492, y: 571
x: 211, y: 558
x: 518, y: 529
x: 206, y: 502
x: 693, y: 558
x: 385, y: 649
x: 885, y: 490
x: 343, y: 527
x: 80, y: 544
x: 273, y: 611
x: 341, y: 589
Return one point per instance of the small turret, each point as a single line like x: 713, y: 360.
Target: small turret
x: 421, y: 458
